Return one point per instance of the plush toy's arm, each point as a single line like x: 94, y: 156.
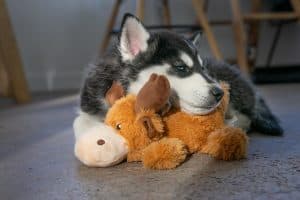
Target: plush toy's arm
x: 134, y: 156
x: 166, y: 153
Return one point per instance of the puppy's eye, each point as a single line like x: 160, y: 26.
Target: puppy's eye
x: 118, y: 126
x: 181, y: 68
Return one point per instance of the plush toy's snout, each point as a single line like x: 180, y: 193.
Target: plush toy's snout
x: 101, y: 146
x: 100, y: 142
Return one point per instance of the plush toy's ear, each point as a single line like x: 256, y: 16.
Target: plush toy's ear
x: 133, y: 37
x: 152, y: 123
x: 147, y: 123
x: 115, y: 92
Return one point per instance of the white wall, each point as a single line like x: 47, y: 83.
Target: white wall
x: 57, y: 38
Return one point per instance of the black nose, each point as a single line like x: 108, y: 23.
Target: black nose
x: 217, y: 92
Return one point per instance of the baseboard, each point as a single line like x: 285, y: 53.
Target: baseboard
x: 281, y: 74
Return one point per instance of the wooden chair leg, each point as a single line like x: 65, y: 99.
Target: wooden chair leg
x: 253, y: 34
x: 140, y: 9
x: 198, y: 6
x: 110, y: 26
x: 166, y: 13
x: 239, y: 36
x: 4, y: 81
x: 12, y: 58
x: 296, y: 7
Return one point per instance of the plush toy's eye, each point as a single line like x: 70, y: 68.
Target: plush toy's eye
x: 118, y: 126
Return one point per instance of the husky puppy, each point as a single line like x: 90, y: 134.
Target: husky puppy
x: 194, y: 81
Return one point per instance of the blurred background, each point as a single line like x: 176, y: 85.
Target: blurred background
x: 45, y: 48
x: 55, y: 40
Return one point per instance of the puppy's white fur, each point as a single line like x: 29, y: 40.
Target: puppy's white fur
x: 193, y: 91
x: 186, y: 59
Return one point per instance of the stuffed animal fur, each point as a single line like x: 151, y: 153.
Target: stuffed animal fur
x: 99, y: 145
x: 163, y: 142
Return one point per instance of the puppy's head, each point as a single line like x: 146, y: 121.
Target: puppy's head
x: 173, y: 56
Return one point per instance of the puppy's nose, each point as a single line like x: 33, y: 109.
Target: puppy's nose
x: 217, y: 93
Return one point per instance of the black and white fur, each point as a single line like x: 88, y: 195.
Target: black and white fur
x: 194, y: 81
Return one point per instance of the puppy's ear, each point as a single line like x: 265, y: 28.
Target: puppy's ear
x: 133, y: 37
x: 196, y: 39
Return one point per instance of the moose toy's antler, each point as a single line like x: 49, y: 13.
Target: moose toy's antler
x: 154, y: 94
x: 153, y: 97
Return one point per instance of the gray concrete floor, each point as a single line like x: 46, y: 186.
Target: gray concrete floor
x: 37, y: 161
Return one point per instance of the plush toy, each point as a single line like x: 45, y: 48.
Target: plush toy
x: 160, y: 141
x: 136, y: 119
x: 103, y: 145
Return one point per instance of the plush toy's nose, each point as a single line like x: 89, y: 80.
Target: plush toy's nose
x: 101, y: 142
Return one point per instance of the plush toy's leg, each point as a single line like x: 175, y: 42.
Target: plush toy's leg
x: 166, y: 153
x: 228, y: 143
x: 134, y: 156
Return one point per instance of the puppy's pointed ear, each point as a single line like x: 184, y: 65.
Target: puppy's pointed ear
x: 196, y: 39
x: 133, y: 38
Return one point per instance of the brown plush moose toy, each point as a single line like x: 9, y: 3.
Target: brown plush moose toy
x: 163, y: 142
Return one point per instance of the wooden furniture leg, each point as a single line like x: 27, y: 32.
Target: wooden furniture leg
x: 166, y: 13
x: 4, y: 81
x: 296, y: 7
x: 11, y: 57
x: 110, y: 26
x: 239, y: 36
x: 198, y: 6
x: 253, y: 34
x: 140, y: 9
